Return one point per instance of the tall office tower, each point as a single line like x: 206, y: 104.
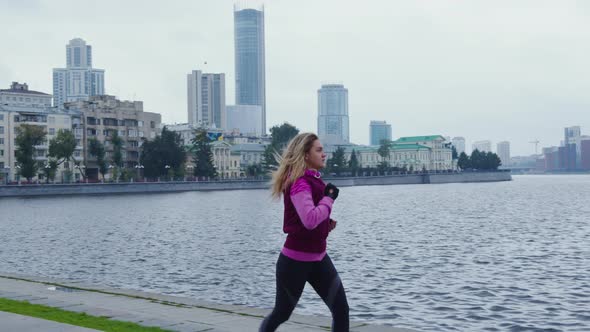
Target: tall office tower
x: 206, y: 99
x: 378, y: 131
x: 78, y: 81
x: 570, y: 134
x: 459, y: 144
x: 333, y: 127
x: 249, y: 58
x: 503, y: 151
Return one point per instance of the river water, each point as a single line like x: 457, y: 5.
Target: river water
x: 505, y: 256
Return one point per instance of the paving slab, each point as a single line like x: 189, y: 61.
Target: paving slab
x: 20, y: 323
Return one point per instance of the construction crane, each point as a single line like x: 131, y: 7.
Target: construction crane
x: 536, y: 142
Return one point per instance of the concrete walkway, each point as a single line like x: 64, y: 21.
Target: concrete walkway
x: 148, y: 309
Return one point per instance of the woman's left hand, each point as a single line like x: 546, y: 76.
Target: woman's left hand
x: 332, y: 224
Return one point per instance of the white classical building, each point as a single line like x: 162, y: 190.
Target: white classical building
x: 417, y: 153
x: 227, y: 164
x: 438, y: 157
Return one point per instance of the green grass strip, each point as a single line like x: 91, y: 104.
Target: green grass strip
x: 73, y: 318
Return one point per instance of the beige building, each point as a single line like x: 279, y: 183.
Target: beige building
x: 102, y: 116
x: 19, y: 106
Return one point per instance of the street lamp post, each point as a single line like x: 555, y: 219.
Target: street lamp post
x: 139, y: 167
x: 110, y: 168
x: 167, y: 167
x: 7, y: 174
x: 18, y: 170
x: 190, y: 169
x: 47, y: 167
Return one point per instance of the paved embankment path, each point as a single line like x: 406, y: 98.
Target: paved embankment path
x: 168, y: 312
x: 15, y: 322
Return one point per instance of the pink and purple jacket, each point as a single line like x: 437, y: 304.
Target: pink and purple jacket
x: 307, y: 218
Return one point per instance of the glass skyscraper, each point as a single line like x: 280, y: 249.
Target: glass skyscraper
x: 333, y: 114
x: 378, y: 131
x: 249, y: 58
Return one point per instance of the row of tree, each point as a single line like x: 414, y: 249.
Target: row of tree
x: 162, y: 157
x: 61, y: 150
x: 479, y: 160
x: 165, y: 155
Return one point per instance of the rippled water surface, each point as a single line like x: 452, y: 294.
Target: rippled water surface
x: 509, y: 256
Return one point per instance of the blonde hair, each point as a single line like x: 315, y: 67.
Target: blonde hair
x: 292, y: 163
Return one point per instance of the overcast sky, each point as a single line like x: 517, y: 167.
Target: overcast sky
x: 497, y: 70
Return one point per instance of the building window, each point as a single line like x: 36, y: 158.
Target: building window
x: 140, y: 123
x: 1, y: 153
x: 152, y: 124
x: 2, y: 165
x: 1, y: 140
x: 1, y: 117
x: 1, y: 130
x: 51, y: 131
x: 141, y: 134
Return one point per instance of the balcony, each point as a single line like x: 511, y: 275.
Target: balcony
x: 30, y: 118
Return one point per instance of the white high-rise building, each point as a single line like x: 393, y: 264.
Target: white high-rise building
x: 482, y: 146
x: 206, y: 99
x: 78, y: 81
x: 333, y: 127
x: 503, y: 151
x: 459, y: 144
x: 244, y: 119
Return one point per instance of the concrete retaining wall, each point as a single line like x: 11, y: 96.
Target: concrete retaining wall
x: 160, y: 187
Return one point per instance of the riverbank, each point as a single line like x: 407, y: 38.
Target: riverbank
x: 162, y: 187
x: 157, y: 310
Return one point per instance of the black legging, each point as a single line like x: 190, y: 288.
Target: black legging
x: 291, y: 278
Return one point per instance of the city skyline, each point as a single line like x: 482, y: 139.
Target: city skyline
x: 445, y: 65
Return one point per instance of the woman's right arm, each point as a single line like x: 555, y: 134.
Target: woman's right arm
x: 310, y: 214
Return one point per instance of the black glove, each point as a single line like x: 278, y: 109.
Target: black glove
x: 331, y: 191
